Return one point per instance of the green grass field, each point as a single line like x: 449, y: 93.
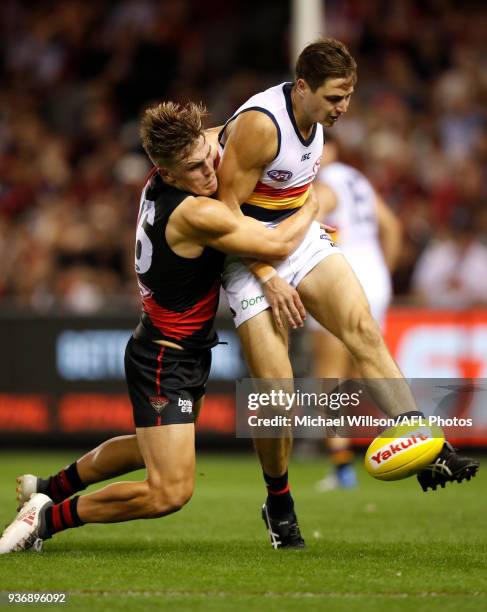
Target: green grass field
x: 383, y: 546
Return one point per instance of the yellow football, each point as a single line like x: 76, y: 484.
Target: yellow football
x: 402, y: 451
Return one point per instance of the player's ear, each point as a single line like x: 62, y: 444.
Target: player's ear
x: 301, y: 86
x: 166, y: 175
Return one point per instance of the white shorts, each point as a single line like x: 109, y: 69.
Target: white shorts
x: 243, y: 290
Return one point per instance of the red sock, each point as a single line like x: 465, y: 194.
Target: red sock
x: 62, y: 516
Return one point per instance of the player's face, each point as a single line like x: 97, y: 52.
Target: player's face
x: 195, y: 172
x: 328, y: 102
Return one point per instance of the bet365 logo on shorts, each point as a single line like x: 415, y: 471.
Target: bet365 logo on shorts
x: 246, y: 303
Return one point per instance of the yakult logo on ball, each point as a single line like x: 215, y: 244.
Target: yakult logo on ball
x: 390, y: 450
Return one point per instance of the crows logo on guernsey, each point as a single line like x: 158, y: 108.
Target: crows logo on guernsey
x: 159, y: 403
x: 280, y: 175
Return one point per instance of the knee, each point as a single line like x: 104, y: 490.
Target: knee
x: 170, y: 499
x: 273, y: 370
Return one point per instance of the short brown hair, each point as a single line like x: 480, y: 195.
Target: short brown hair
x: 324, y: 59
x: 169, y: 129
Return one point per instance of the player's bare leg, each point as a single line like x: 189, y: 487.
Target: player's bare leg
x: 335, y: 298
x: 331, y: 359
x: 115, y: 457
x: 169, y: 456
x: 112, y: 458
x: 266, y: 352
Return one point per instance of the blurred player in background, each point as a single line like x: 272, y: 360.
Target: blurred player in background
x: 167, y: 360
x: 369, y: 235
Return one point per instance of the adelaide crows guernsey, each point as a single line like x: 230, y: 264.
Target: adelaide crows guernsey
x: 179, y: 294
x: 284, y: 184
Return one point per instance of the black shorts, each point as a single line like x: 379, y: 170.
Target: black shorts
x: 164, y: 383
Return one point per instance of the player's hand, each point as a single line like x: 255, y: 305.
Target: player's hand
x: 285, y: 302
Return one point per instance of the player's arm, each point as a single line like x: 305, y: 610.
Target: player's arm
x: 390, y: 233
x: 251, y: 145
x: 211, y: 223
x: 327, y: 200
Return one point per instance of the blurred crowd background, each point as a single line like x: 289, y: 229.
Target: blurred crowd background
x: 75, y: 76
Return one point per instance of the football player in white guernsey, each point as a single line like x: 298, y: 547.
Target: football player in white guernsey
x: 369, y: 235
x: 273, y: 126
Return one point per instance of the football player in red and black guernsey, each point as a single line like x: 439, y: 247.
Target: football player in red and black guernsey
x: 181, y: 234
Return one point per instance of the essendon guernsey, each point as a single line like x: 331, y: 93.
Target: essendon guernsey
x: 179, y: 294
